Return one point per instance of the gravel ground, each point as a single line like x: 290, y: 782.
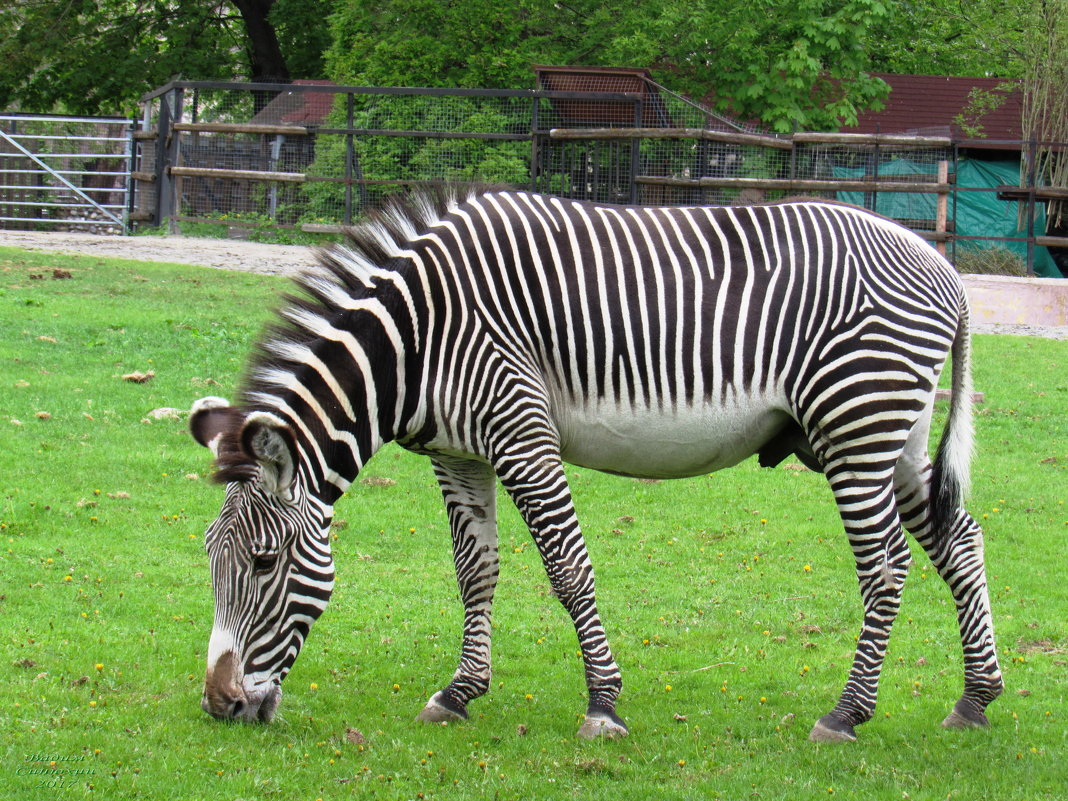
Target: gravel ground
x: 235, y: 254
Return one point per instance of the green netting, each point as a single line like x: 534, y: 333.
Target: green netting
x: 975, y: 213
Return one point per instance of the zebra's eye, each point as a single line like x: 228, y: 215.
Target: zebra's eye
x: 264, y: 562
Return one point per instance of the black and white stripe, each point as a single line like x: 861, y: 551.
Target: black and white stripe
x: 503, y: 333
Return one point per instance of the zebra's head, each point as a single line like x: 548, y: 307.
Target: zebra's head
x: 269, y: 551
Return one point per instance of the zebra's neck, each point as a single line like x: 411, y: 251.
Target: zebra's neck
x: 336, y: 372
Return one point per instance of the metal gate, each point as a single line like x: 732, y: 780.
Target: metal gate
x: 64, y: 173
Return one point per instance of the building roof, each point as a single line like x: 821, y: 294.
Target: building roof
x: 930, y: 104
x: 294, y: 107
x: 598, y: 113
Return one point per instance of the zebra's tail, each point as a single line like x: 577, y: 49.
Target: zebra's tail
x: 951, y: 476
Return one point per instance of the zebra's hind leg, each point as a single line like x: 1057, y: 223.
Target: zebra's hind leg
x: 957, y: 555
x: 866, y: 504
x: 538, y: 486
x: 470, y: 491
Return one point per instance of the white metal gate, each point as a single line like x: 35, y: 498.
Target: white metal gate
x: 69, y: 173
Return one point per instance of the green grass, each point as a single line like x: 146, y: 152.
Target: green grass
x: 703, y: 587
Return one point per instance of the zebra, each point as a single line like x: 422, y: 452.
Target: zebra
x: 503, y: 333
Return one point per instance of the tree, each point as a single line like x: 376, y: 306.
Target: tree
x: 100, y: 56
x: 1045, y: 97
x: 787, y: 62
x: 949, y: 37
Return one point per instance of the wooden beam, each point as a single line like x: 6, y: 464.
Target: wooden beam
x: 942, y: 204
x: 239, y: 128
x: 671, y: 133
x: 244, y: 175
x: 1010, y: 192
x: 797, y: 185
x: 1052, y: 241
x: 871, y: 140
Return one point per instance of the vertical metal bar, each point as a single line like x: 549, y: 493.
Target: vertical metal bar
x: 350, y: 156
x: 635, y: 152
x: 793, y: 157
x: 875, y: 178
x: 534, y: 144
x: 128, y: 155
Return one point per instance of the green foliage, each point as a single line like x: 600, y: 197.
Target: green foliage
x: 702, y: 585
x: 413, y: 158
x: 980, y: 103
x: 100, y: 56
x: 799, y: 63
x: 945, y: 37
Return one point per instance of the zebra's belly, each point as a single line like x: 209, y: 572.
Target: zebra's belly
x: 650, y: 443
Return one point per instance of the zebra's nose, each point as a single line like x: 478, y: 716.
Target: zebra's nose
x: 224, y: 698
x: 224, y: 705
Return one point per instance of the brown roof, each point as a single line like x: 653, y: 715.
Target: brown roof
x: 929, y: 104
x: 296, y: 107
x: 597, y: 113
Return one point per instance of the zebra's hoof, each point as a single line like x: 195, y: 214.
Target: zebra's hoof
x: 831, y: 730
x: 439, y: 710
x: 965, y: 716
x: 602, y: 724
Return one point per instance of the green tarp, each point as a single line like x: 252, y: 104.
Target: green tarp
x: 975, y: 213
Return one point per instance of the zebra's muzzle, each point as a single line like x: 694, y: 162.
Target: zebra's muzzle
x: 258, y: 704
x: 228, y: 695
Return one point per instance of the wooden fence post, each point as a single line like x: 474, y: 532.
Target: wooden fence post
x: 942, y: 206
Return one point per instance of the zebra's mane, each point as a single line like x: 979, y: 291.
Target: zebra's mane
x: 386, y: 232
x: 344, y: 273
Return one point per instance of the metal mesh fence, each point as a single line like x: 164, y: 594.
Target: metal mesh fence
x: 316, y: 157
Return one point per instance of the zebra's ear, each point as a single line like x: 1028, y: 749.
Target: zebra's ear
x: 270, y: 442
x: 208, y: 418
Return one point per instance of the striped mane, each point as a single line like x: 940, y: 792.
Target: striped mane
x: 344, y: 273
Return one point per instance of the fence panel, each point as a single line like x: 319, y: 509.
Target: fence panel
x: 316, y: 157
x: 58, y: 172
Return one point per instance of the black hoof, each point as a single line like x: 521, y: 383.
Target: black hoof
x: 831, y: 729
x: 442, y: 709
x: 965, y: 715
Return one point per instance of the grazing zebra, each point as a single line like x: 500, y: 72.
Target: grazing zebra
x: 503, y: 333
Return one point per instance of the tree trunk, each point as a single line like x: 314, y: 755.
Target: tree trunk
x: 266, y: 61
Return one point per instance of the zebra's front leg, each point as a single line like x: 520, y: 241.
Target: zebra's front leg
x: 882, y: 560
x: 470, y: 491
x: 539, y: 489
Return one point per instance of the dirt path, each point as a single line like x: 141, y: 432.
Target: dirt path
x: 236, y: 254
x: 224, y: 254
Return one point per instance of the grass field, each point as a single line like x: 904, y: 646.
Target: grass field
x: 730, y: 600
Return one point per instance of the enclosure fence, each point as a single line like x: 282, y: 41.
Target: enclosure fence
x: 245, y: 159
x: 64, y: 172
x: 316, y: 157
